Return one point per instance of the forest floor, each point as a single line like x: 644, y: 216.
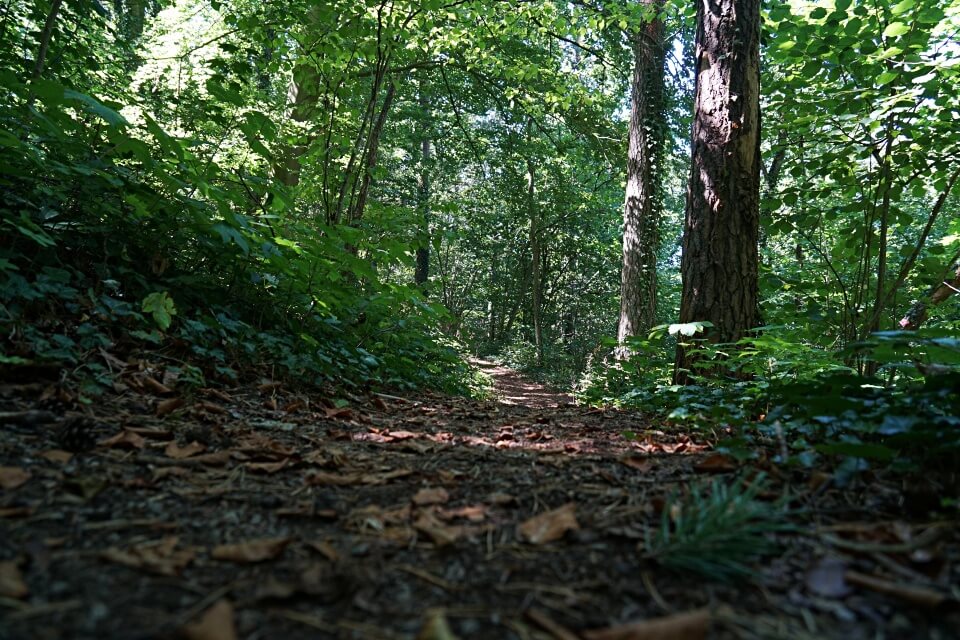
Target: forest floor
x: 266, y: 512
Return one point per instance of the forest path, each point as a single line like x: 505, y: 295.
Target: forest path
x: 267, y: 511
x: 510, y: 387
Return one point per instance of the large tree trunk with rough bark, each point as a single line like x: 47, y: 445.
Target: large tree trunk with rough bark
x: 641, y: 210
x: 720, y: 254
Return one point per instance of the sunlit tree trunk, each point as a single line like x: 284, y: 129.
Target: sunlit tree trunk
x: 641, y: 211
x: 720, y: 240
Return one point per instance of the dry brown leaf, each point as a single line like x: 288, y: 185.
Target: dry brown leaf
x: 215, y: 624
x: 211, y: 407
x: 473, y: 513
x: 921, y: 596
x: 441, y: 534
x: 57, y: 455
x: 156, y: 387
x: 689, y: 625
x: 13, y: 477
x: 716, y: 463
x: 11, y: 581
x: 166, y: 472
x: 15, y: 512
x: 269, y: 387
x: 551, y: 525
x: 640, y: 463
x: 501, y: 499
x: 215, y: 459
x: 393, y: 436
x: 126, y: 439
x: 325, y: 549
x: 341, y: 413
x: 267, y: 467
x: 166, y: 407
x: 323, y: 478
x: 826, y: 578
x: 429, y: 496
x: 175, y: 451
x: 158, y: 556
x: 251, y: 550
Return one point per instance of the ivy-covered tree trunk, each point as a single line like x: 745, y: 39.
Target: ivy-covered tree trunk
x: 641, y: 210
x: 720, y: 239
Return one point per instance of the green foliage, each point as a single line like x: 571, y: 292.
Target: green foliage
x: 161, y: 307
x: 718, y: 530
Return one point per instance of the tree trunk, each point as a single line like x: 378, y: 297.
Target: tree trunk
x: 641, y: 210
x: 536, y: 286
x: 422, y: 271
x: 720, y: 241
x: 918, y: 312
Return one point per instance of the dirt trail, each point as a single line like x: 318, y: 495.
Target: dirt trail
x: 512, y: 388
x: 267, y: 512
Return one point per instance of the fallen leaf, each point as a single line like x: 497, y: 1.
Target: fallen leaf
x: 13, y: 477
x: 441, y: 534
x: 325, y: 549
x: 251, y: 550
x: 640, y: 463
x: 716, y: 463
x: 15, y: 512
x: 215, y: 624
x: 175, y: 451
x: 11, y: 581
x: 159, y: 556
x: 551, y: 525
x: 501, y: 499
x: 473, y: 513
x: 431, y: 496
x: 267, y: 467
x: 156, y: 387
x: 211, y: 407
x: 166, y: 407
x: 689, y: 625
x: 343, y: 413
x: 393, y: 436
x: 57, y: 455
x: 126, y: 439
x: 215, y: 459
x: 826, y: 578
x: 166, y: 472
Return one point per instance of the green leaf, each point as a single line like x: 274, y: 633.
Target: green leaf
x: 858, y: 450
x: 903, y: 7
x: 160, y: 306
x: 887, y: 77
x: 96, y: 107
x: 896, y: 29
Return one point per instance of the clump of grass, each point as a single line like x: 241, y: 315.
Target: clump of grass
x: 718, y: 531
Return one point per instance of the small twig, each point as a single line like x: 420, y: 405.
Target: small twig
x: 428, y: 577
x: 647, y: 578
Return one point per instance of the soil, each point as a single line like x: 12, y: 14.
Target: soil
x: 265, y: 511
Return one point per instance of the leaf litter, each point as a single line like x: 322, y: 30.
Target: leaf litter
x: 223, y: 514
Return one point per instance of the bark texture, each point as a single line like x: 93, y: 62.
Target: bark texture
x: 641, y: 210
x: 720, y: 240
